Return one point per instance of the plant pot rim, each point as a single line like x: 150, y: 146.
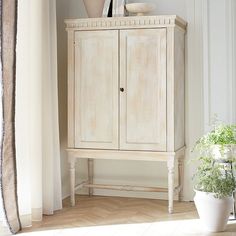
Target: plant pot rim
x: 211, y: 194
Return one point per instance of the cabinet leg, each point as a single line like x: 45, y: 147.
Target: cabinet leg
x: 170, y: 166
x: 90, y: 175
x: 234, y: 206
x: 181, y: 176
x: 72, y: 181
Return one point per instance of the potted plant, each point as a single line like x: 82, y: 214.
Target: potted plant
x: 214, y: 178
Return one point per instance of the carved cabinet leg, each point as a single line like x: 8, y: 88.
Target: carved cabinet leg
x: 170, y: 166
x: 181, y: 176
x: 72, y: 180
x: 90, y: 175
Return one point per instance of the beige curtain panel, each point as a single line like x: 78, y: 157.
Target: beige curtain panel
x: 8, y: 183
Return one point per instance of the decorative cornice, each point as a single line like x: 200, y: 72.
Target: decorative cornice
x: 125, y: 22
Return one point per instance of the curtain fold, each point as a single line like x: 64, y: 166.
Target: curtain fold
x: 37, y: 128
x: 8, y: 182
x: 51, y: 146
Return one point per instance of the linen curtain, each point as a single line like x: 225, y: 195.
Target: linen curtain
x: 37, y: 128
x: 8, y: 183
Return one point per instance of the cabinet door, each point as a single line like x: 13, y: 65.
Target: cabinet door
x: 96, y: 89
x: 143, y: 77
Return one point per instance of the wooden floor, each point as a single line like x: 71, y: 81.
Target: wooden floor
x: 94, y: 211
x: 115, y: 216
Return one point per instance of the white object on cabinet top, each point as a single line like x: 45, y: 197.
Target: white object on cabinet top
x: 139, y: 8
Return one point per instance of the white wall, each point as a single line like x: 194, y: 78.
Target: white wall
x: 197, y: 100
x: 65, y: 9
x: 219, y: 60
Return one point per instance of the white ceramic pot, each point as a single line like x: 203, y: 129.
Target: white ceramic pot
x: 213, y: 212
x: 94, y: 8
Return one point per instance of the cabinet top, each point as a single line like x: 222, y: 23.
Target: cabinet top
x: 126, y: 22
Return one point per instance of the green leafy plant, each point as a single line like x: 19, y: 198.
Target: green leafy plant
x: 221, y: 135
x: 214, y: 174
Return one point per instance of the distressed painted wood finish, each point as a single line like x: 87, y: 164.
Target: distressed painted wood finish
x: 175, y: 89
x: 96, y: 89
x: 86, y: 184
x: 71, y: 84
x: 171, y: 175
x: 133, y: 22
x: 126, y: 95
x: 170, y: 89
x: 181, y: 176
x: 179, y: 101
x: 168, y: 157
x: 72, y: 161
x: 90, y: 174
x: 126, y: 188
x: 122, y: 155
x: 143, y: 101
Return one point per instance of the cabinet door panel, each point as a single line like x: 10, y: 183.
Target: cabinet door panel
x: 96, y: 89
x: 143, y: 77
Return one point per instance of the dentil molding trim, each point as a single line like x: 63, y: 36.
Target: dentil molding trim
x: 125, y: 22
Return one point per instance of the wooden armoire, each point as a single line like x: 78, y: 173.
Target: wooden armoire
x: 126, y: 95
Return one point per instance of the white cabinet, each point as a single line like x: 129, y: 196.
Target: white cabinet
x: 126, y: 94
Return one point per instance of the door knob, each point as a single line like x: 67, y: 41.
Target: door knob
x: 122, y: 89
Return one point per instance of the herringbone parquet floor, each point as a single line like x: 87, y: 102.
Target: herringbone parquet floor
x: 91, y: 211
x: 115, y: 216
